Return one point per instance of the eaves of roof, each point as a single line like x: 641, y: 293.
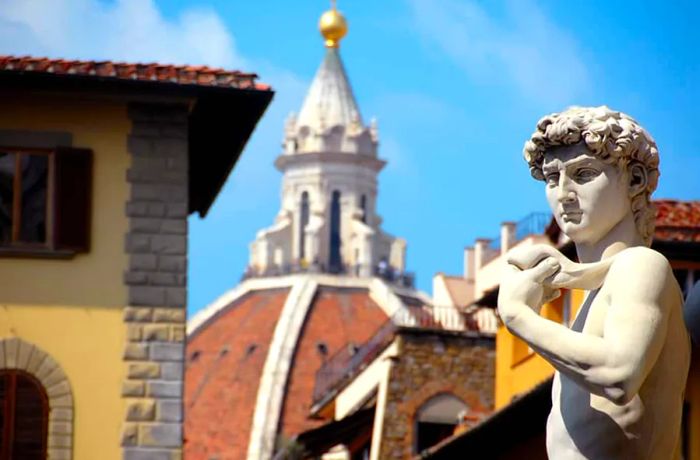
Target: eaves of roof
x: 225, y: 106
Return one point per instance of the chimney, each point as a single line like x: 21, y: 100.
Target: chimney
x: 481, y: 253
x: 469, y: 263
x: 507, y: 236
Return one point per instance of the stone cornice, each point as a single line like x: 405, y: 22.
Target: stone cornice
x: 284, y: 161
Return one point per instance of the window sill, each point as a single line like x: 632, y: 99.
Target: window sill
x: 35, y: 253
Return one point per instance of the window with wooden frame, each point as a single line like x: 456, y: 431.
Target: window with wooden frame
x: 24, y: 415
x: 45, y: 201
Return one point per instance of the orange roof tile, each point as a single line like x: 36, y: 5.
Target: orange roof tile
x: 226, y: 356
x: 225, y: 360
x: 339, y: 318
x: 151, y: 72
x: 677, y: 220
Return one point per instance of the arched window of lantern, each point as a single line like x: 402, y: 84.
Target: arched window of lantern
x: 437, y: 419
x: 363, y: 206
x: 303, y: 222
x: 335, y: 263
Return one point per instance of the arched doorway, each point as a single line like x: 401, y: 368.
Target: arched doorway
x: 436, y: 420
x: 24, y: 415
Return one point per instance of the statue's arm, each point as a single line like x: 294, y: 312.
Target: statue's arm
x: 615, y: 365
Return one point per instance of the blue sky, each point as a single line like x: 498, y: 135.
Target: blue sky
x: 457, y: 87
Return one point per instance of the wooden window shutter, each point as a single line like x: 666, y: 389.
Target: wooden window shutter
x: 25, y: 417
x: 72, y: 199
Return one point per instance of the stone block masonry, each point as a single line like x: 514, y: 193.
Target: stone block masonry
x: 155, y: 317
x: 157, y: 208
x: 430, y: 364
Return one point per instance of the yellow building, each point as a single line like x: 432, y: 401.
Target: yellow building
x: 523, y: 378
x: 100, y: 166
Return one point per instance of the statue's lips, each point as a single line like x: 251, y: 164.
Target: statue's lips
x: 569, y: 216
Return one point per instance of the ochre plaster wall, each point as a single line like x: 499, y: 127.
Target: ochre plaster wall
x: 72, y: 309
x: 94, y: 278
x: 692, y: 396
x: 519, y: 369
x: 87, y: 343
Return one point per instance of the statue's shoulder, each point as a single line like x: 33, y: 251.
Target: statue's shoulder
x: 641, y: 258
x: 639, y: 267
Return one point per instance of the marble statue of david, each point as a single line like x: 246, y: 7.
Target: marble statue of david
x: 621, y: 368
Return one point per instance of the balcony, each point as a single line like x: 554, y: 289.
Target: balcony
x: 350, y: 361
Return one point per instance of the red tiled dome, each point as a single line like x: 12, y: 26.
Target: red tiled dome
x: 226, y: 357
x: 224, y: 360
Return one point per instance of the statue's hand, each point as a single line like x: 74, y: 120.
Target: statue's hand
x: 526, y: 288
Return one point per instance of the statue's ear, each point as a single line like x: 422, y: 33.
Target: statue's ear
x: 638, y: 178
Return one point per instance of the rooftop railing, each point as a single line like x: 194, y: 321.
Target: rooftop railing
x: 386, y: 272
x: 532, y: 224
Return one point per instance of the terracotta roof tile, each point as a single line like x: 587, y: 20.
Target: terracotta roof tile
x: 339, y: 318
x: 221, y: 388
x: 224, y: 364
x: 177, y: 74
x: 677, y: 220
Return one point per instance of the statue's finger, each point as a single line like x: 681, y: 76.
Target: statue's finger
x: 551, y: 295
x: 544, y: 269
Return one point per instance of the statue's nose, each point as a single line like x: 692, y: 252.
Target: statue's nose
x: 566, y: 195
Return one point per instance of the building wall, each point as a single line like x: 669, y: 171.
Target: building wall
x: 87, y: 343
x: 430, y: 364
x: 72, y: 309
x: 94, y: 278
x: 692, y: 397
x: 112, y: 319
x: 519, y: 368
x: 156, y: 277
x: 367, y: 382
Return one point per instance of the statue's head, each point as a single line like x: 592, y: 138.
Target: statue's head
x: 595, y: 158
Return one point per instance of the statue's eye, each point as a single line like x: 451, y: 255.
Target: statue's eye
x: 552, y: 178
x: 586, y: 174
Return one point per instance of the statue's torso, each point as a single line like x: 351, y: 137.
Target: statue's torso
x: 586, y: 426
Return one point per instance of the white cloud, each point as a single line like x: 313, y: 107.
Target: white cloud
x: 137, y: 31
x: 521, y: 47
x: 129, y: 30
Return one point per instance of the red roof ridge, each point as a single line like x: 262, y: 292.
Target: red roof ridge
x: 185, y: 74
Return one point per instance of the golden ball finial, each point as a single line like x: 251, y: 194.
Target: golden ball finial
x: 333, y: 26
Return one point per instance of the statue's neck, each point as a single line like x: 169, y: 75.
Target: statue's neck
x: 622, y: 236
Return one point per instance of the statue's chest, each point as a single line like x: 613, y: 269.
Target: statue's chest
x: 590, y: 318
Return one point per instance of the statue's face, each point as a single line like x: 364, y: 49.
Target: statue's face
x: 587, y: 196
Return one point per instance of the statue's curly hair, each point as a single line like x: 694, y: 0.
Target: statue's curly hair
x: 614, y: 137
